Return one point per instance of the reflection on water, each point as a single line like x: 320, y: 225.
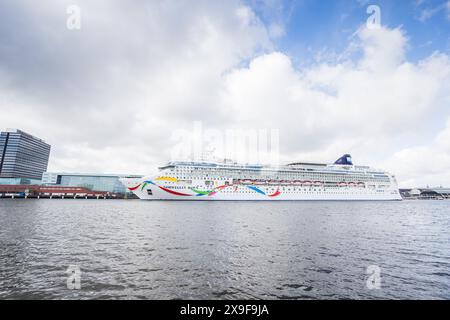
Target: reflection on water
x: 223, y: 250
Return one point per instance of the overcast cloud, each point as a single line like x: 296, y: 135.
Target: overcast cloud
x: 108, y: 97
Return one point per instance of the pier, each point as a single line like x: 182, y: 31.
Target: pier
x: 426, y: 193
x: 54, y: 192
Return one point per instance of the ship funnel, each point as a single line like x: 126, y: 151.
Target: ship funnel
x: 346, y: 159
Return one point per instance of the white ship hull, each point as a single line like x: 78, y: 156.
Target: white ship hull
x: 245, y: 193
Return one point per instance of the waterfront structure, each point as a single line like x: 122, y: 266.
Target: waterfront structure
x: 438, y: 193
x: 191, y: 180
x: 52, y: 192
x: 91, y: 181
x: 23, y: 157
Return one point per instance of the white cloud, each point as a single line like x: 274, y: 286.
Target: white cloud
x: 361, y: 106
x: 133, y: 73
x: 428, y: 13
x: 276, y: 30
x: 276, y: 13
x: 109, y: 97
x: 425, y: 165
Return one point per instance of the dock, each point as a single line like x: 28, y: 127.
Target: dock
x: 54, y: 192
x: 428, y: 193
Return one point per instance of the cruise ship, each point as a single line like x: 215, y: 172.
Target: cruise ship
x: 227, y: 180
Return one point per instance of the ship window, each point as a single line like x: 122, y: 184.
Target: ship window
x: 149, y: 192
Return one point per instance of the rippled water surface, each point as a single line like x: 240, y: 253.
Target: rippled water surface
x: 224, y: 250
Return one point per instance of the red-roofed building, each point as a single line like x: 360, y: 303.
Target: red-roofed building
x: 36, y: 191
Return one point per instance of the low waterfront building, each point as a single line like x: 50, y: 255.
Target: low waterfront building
x: 19, y: 181
x: 37, y: 191
x: 426, y: 193
x: 23, y: 157
x: 441, y: 192
x: 95, y: 182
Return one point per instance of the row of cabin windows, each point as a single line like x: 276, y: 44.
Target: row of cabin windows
x: 326, y: 177
x: 321, y: 177
x: 306, y: 192
x: 256, y: 178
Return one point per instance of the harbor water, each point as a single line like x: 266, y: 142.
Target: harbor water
x: 132, y: 249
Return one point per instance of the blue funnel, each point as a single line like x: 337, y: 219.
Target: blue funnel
x: 345, y: 159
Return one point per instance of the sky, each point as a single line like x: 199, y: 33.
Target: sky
x: 112, y: 85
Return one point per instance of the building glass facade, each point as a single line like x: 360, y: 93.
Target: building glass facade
x: 16, y: 181
x: 22, y: 155
x: 94, y: 182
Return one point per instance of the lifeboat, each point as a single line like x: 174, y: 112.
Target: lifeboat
x: 272, y: 182
x: 260, y: 182
x: 306, y: 183
x: 361, y: 184
x: 297, y: 182
x: 342, y: 184
x: 318, y: 183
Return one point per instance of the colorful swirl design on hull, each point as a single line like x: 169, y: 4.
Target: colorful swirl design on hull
x: 200, y: 193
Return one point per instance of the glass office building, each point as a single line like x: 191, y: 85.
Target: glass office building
x: 94, y: 182
x: 24, y: 158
